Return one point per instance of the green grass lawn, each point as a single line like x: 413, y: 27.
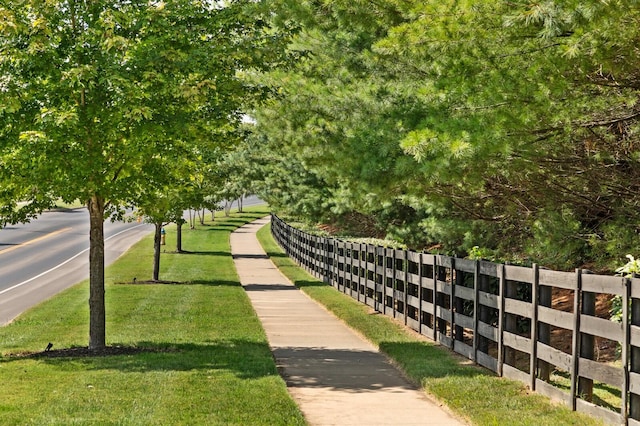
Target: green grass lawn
x: 203, y: 359
x: 472, y: 392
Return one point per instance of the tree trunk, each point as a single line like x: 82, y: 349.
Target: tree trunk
x: 179, y: 236
x: 97, y: 322
x: 157, y: 238
x: 240, y: 204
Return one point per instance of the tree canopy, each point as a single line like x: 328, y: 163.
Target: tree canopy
x: 98, y: 98
x: 505, y: 127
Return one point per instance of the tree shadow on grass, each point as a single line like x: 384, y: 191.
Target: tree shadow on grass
x: 310, y: 283
x: 274, y: 254
x: 219, y: 227
x: 200, y: 253
x: 246, y: 359
x: 214, y: 283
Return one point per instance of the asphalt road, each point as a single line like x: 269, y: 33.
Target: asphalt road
x: 42, y: 258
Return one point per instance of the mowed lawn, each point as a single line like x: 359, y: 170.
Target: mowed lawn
x: 203, y: 356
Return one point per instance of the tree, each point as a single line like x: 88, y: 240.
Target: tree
x: 97, y: 95
x: 161, y: 208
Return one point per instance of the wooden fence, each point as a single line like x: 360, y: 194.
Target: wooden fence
x: 499, y: 316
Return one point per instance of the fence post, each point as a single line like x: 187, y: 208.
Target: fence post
x: 457, y: 304
x: 626, y: 345
x: 501, y: 319
x: 575, y: 349
x: 544, y: 329
x: 420, y: 301
x: 484, y: 313
x: 510, y: 321
x: 476, y: 309
x: 587, y: 341
x: 405, y: 278
x: 533, y: 360
x: 434, y: 312
x: 634, y: 399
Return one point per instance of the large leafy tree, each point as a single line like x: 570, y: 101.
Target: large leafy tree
x: 509, y: 125
x: 96, y: 96
x: 339, y: 118
x: 538, y: 122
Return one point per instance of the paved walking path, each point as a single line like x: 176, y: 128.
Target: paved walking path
x: 335, y: 376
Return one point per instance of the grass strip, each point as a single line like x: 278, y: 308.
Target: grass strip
x: 201, y: 355
x: 472, y: 392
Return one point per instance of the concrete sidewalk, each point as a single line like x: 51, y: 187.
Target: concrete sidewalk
x: 335, y: 376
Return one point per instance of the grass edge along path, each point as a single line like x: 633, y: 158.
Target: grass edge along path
x: 196, y: 352
x: 469, y: 391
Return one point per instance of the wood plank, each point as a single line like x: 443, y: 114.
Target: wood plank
x: 463, y: 321
x: 601, y: 327
x: 518, y: 307
x: 603, y: 284
x: 487, y: 361
x: 605, y: 414
x: 427, y: 284
x: 428, y: 259
x: 600, y: 372
x: 465, y: 265
x: 444, y: 314
x: 632, y: 422
x: 413, y: 324
x: 444, y: 261
x: 445, y: 340
x: 463, y: 349
x: 554, y: 356
x: 555, y: 317
x: 553, y: 392
x: 413, y: 278
x: 427, y: 331
x: 444, y: 287
x: 489, y: 269
x: 514, y: 374
x: 565, y: 280
x: 427, y: 307
x: 465, y: 293
x: 413, y: 301
x: 523, y: 344
x: 518, y: 273
x: 488, y: 331
x: 413, y: 256
x: 635, y: 287
x: 634, y: 382
x: 489, y: 300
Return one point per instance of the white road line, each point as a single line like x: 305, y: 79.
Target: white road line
x: 64, y: 263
